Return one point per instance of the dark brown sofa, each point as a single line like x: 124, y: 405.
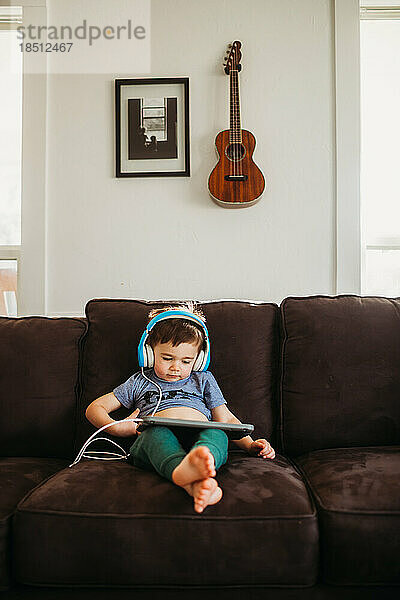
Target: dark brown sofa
x: 319, y: 377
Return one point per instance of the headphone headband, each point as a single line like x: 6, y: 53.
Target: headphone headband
x: 176, y: 314
x: 145, y: 351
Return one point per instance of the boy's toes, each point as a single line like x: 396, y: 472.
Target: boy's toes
x: 205, y: 492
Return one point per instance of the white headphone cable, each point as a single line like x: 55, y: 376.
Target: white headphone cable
x: 116, y: 455
x: 82, y: 454
x: 160, y: 391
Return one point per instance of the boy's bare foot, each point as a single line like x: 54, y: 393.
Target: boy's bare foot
x: 204, y: 492
x: 198, y: 464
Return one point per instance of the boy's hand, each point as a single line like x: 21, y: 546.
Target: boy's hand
x: 262, y: 448
x: 127, y: 429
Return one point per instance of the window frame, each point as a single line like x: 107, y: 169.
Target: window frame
x: 347, y: 132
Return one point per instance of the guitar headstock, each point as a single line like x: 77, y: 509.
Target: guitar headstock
x: 232, y: 58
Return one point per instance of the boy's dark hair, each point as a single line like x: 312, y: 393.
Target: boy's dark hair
x: 177, y: 331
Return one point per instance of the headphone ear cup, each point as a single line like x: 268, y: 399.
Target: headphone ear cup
x: 199, y: 361
x: 148, y: 356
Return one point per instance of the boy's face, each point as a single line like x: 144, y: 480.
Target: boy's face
x: 173, y: 363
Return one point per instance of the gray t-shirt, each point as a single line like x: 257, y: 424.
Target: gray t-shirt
x: 200, y: 391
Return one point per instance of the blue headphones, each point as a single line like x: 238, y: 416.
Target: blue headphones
x: 145, y: 351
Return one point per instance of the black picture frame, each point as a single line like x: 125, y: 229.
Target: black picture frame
x: 152, y: 127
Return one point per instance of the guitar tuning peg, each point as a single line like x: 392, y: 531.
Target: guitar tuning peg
x: 229, y: 46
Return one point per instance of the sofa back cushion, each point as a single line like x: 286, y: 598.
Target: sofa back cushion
x: 243, y: 338
x: 39, y: 360
x: 340, y: 384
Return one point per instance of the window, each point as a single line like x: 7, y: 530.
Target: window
x: 10, y: 157
x: 154, y: 117
x: 8, y: 288
x: 380, y: 149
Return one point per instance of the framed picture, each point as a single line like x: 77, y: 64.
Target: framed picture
x: 152, y: 127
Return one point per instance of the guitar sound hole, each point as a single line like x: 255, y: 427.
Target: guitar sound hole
x: 235, y: 151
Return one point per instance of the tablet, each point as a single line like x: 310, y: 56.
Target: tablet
x: 234, y: 431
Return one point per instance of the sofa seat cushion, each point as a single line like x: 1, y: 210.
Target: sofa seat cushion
x: 112, y: 524
x: 357, y: 491
x: 17, y: 477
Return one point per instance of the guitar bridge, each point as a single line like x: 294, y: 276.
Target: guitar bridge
x: 235, y: 178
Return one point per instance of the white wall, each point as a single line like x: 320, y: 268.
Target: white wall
x: 164, y: 237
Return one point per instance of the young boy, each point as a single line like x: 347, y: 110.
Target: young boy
x: 186, y: 394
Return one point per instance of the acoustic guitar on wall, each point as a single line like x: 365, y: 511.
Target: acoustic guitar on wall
x: 236, y: 181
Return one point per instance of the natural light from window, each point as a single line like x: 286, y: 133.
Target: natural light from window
x: 380, y: 155
x: 10, y: 136
x: 8, y: 288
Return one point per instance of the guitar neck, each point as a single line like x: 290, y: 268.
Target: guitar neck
x: 235, y: 131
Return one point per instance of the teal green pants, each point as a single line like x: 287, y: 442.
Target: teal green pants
x: 162, y: 449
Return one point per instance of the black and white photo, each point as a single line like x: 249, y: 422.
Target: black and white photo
x: 152, y: 127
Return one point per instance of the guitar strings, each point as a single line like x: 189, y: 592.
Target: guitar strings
x: 239, y: 136
x: 234, y: 154
x: 232, y: 124
x: 231, y: 167
x: 235, y: 134
x: 232, y: 81
x: 237, y: 124
x: 238, y: 167
x: 235, y: 116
